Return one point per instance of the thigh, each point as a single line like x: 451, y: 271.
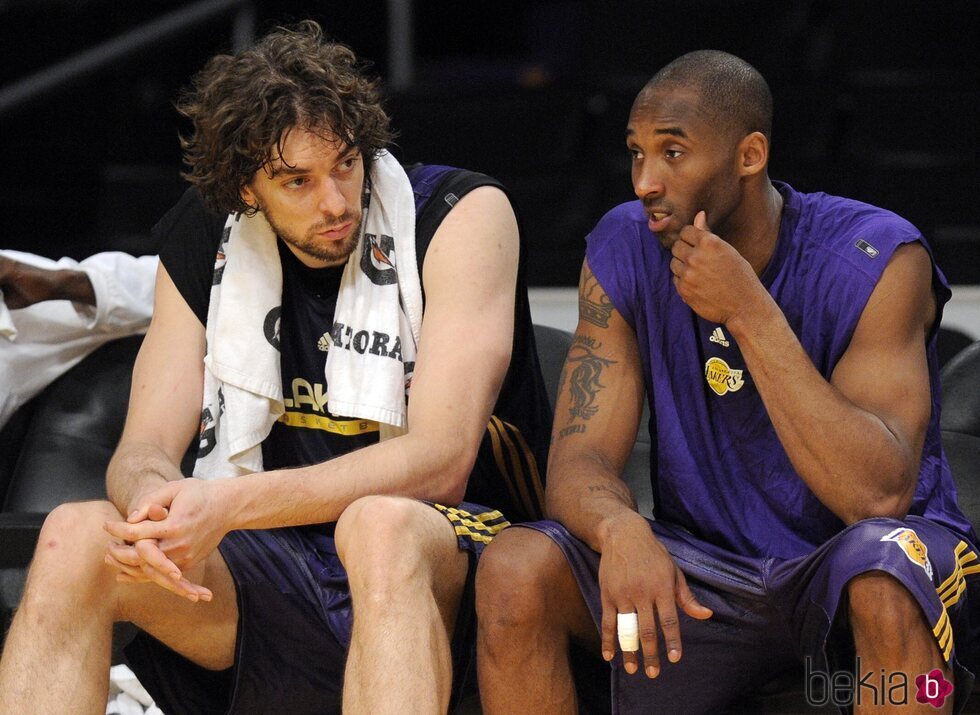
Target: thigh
x: 202, y: 632
x: 728, y: 655
x: 290, y: 592
x: 936, y: 565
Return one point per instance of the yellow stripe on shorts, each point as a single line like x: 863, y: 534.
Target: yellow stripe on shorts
x: 480, y: 527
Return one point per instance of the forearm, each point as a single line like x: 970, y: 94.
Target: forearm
x: 847, y: 455
x: 73, y: 285
x: 588, y: 497
x: 406, y: 466
x: 137, y: 468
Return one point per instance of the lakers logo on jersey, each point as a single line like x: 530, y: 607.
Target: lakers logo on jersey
x: 913, y: 547
x: 722, y: 378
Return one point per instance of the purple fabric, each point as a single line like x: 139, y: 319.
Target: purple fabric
x: 771, y: 614
x: 720, y: 470
x: 295, y: 620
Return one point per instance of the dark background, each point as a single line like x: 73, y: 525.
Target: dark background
x: 875, y: 99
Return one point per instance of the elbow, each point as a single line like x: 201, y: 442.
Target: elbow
x: 450, y: 477
x: 889, y: 503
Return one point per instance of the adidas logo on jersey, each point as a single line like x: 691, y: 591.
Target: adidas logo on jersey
x: 719, y: 337
x: 323, y: 344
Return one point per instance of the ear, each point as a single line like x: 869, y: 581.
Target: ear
x: 753, y: 154
x: 249, y: 197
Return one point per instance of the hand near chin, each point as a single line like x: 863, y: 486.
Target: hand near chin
x: 710, y: 275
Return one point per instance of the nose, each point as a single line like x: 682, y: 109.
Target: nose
x: 331, y: 200
x: 646, y: 180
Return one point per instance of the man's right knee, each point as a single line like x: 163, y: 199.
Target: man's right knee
x: 68, y: 560
x: 524, y: 584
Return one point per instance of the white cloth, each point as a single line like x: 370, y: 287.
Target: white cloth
x: 380, y: 294
x: 127, y: 696
x: 47, y: 339
x: 242, y: 378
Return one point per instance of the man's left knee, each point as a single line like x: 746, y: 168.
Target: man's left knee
x: 881, y: 606
x: 387, y: 542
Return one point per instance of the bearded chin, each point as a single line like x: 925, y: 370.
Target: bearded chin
x: 333, y: 251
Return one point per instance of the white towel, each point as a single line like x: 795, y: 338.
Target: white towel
x: 7, y: 328
x: 378, y: 318
x: 377, y: 322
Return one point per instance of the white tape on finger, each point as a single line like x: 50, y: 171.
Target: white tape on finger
x: 628, y: 632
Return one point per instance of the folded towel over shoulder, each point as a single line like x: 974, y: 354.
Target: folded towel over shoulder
x: 377, y: 324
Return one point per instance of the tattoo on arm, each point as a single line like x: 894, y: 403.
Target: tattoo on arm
x: 585, y: 370
x: 593, y: 303
x: 618, y: 492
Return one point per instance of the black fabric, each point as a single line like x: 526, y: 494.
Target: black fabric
x: 960, y: 423
x: 961, y: 396
x: 509, y: 473
x: 74, y: 430
x: 309, y: 297
x: 188, y: 236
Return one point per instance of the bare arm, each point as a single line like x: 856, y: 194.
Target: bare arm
x: 856, y: 440
x: 23, y: 284
x: 596, y: 416
x: 470, y: 277
x: 165, y: 400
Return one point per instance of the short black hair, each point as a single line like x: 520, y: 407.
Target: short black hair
x: 732, y: 91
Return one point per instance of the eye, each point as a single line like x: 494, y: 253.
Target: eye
x: 635, y: 154
x: 672, y: 153
x: 296, y: 182
x: 349, y: 163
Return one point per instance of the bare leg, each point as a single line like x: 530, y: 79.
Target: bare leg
x: 406, y: 577
x: 56, y: 657
x: 530, y: 609
x: 891, y: 634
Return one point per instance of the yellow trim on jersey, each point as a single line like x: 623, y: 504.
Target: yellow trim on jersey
x: 943, y: 621
x: 480, y: 527
x: 954, y: 586
x: 347, y: 428
x: 536, y: 483
x: 512, y: 466
x: 943, y: 631
x: 516, y: 471
x: 498, y: 457
x: 949, y: 592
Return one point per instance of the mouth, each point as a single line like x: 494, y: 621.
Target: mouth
x: 335, y: 233
x: 657, y: 221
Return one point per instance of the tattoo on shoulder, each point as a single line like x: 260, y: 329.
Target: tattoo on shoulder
x: 584, y: 377
x: 593, y: 303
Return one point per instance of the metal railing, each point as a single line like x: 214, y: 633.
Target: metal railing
x: 88, y: 62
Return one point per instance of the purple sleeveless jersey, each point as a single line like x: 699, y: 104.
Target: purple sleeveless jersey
x: 720, y: 470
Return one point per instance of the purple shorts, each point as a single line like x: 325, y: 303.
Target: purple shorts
x: 294, y: 625
x: 771, y: 615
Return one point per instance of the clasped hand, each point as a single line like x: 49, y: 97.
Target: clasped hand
x: 170, y: 530
x: 638, y: 575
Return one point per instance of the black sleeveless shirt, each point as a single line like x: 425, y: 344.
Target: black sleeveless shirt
x: 509, y: 472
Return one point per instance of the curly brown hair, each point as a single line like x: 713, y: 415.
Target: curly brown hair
x: 242, y: 106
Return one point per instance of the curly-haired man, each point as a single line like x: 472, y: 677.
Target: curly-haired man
x: 323, y: 553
